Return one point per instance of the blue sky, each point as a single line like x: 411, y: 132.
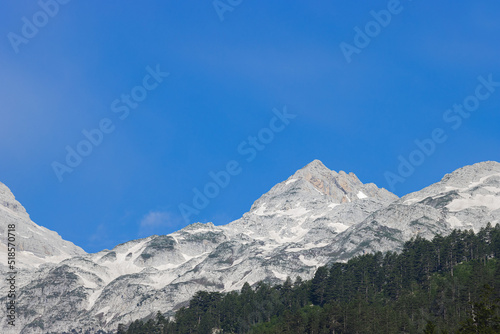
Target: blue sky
x: 225, y: 79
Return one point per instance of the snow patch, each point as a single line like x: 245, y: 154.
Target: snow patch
x: 295, y: 212
x: 291, y: 181
x: 481, y: 180
x: 87, y: 283
x: 189, y: 258
x: 413, y: 200
x: 318, y: 190
x: 279, y: 275
x: 490, y: 201
x: 309, y: 262
x: 339, y: 227
x: 92, y: 298
x: 121, y: 266
x: 305, y: 247
x: 313, y: 217
x: 28, y: 259
x: 103, y: 310
x: 297, y: 233
x: 361, y: 195
x: 454, y: 222
x: 260, y: 210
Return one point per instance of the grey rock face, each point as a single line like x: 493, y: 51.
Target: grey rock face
x: 314, y: 217
x: 35, y: 244
x: 36, y: 247
x: 468, y: 198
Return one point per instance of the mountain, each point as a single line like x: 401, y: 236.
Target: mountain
x: 35, y: 244
x: 428, y: 284
x: 468, y: 198
x: 314, y: 217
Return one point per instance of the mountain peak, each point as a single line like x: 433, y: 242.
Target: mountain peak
x: 342, y: 187
x: 316, y: 168
x: 320, y: 186
x: 472, y: 173
x: 315, y: 164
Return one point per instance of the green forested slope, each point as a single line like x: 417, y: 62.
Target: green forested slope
x: 450, y: 284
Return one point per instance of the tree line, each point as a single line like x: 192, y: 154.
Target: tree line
x: 445, y: 285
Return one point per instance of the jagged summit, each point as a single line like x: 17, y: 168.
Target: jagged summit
x: 341, y: 187
x: 314, y: 202
x: 314, y: 167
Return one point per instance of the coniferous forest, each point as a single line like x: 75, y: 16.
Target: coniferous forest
x: 447, y: 285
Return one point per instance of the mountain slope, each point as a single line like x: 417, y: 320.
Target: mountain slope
x: 468, y: 198
x: 284, y: 233
x: 35, y: 244
x: 314, y: 217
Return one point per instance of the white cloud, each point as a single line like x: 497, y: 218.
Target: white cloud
x: 156, y: 222
x: 155, y: 219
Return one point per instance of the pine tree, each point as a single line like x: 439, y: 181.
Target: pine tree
x: 121, y: 329
x: 484, y: 317
x: 318, y: 287
x: 430, y: 328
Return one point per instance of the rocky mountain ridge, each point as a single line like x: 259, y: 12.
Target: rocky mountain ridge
x: 314, y: 217
x: 466, y: 199
x: 31, y: 238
